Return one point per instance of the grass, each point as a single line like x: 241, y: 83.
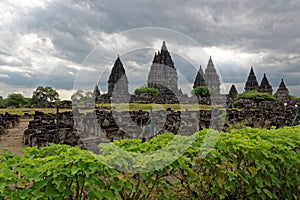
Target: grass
x: 116, y: 107
x: 21, y: 111
x: 155, y: 107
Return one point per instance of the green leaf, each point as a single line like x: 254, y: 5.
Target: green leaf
x: 268, y: 193
x: 108, y: 194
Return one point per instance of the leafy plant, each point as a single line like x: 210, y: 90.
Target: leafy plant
x: 16, y: 100
x: 257, y: 96
x: 42, y: 95
x: 201, y: 91
x: 244, y: 164
x: 145, y: 90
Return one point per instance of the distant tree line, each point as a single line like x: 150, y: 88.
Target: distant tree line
x: 42, y: 97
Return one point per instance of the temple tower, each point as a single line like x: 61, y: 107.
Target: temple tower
x: 233, y: 92
x: 282, y: 92
x: 251, y: 83
x: 265, y: 86
x: 163, y: 73
x: 96, y: 94
x: 199, y: 81
x: 211, y: 77
x: 117, y: 83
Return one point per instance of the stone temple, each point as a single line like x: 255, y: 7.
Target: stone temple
x: 282, y: 92
x: 163, y: 77
x: 163, y: 73
x: 251, y: 83
x: 118, y: 82
x: 199, y: 81
x: 265, y: 86
x: 233, y: 93
x: 211, y: 77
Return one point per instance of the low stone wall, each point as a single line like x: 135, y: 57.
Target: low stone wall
x: 89, y: 129
x: 111, y: 125
x: 263, y: 115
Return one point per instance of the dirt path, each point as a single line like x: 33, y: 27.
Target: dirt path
x: 13, y: 138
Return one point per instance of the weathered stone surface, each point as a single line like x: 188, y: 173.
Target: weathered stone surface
x: 251, y: 83
x: 211, y: 77
x: 265, y: 85
x: 42, y: 130
x: 163, y: 76
x: 199, y: 80
x: 233, y: 92
x: 282, y: 92
x: 117, y: 83
x: 8, y: 121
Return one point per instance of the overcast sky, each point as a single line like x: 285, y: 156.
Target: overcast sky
x: 57, y: 42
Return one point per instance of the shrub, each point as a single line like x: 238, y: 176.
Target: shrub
x: 244, y: 164
x: 145, y: 90
x: 201, y: 91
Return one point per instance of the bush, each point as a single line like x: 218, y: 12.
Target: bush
x: 145, y: 90
x: 201, y: 91
x: 245, y: 164
x: 257, y: 96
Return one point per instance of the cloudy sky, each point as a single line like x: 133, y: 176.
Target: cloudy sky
x: 72, y: 44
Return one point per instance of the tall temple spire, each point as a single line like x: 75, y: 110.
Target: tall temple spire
x: 282, y: 92
x: 163, y: 57
x: 164, y: 47
x: 210, y: 62
x: 251, y: 83
x: 96, y: 93
x: 282, y: 84
x: 211, y: 77
x: 251, y: 70
x: 199, y: 80
x: 163, y: 73
x: 233, y: 92
x: 117, y: 77
x: 201, y: 71
x: 265, y: 85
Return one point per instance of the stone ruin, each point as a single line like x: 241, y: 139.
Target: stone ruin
x: 251, y: 83
x: 42, y: 130
x: 283, y: 93
x: 8, y: 121
x: 88, y: 130
x: 62, y: 104
x: 163, y: 77
x: 264, y: 115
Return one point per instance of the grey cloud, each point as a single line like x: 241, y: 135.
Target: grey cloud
x: 75, y: 28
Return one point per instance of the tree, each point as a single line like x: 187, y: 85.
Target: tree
x: 145, y: 90
x: 201, y: 91
x: 293, y: 97
x: 43, y: 95
x: 77, y: 96
x: 16, y: 100
x: 1, y: 102
x: 82, y: 98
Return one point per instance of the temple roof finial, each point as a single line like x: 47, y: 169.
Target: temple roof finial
x: 164, y: 47
x: 282, y: 84
x: 210, y: 63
